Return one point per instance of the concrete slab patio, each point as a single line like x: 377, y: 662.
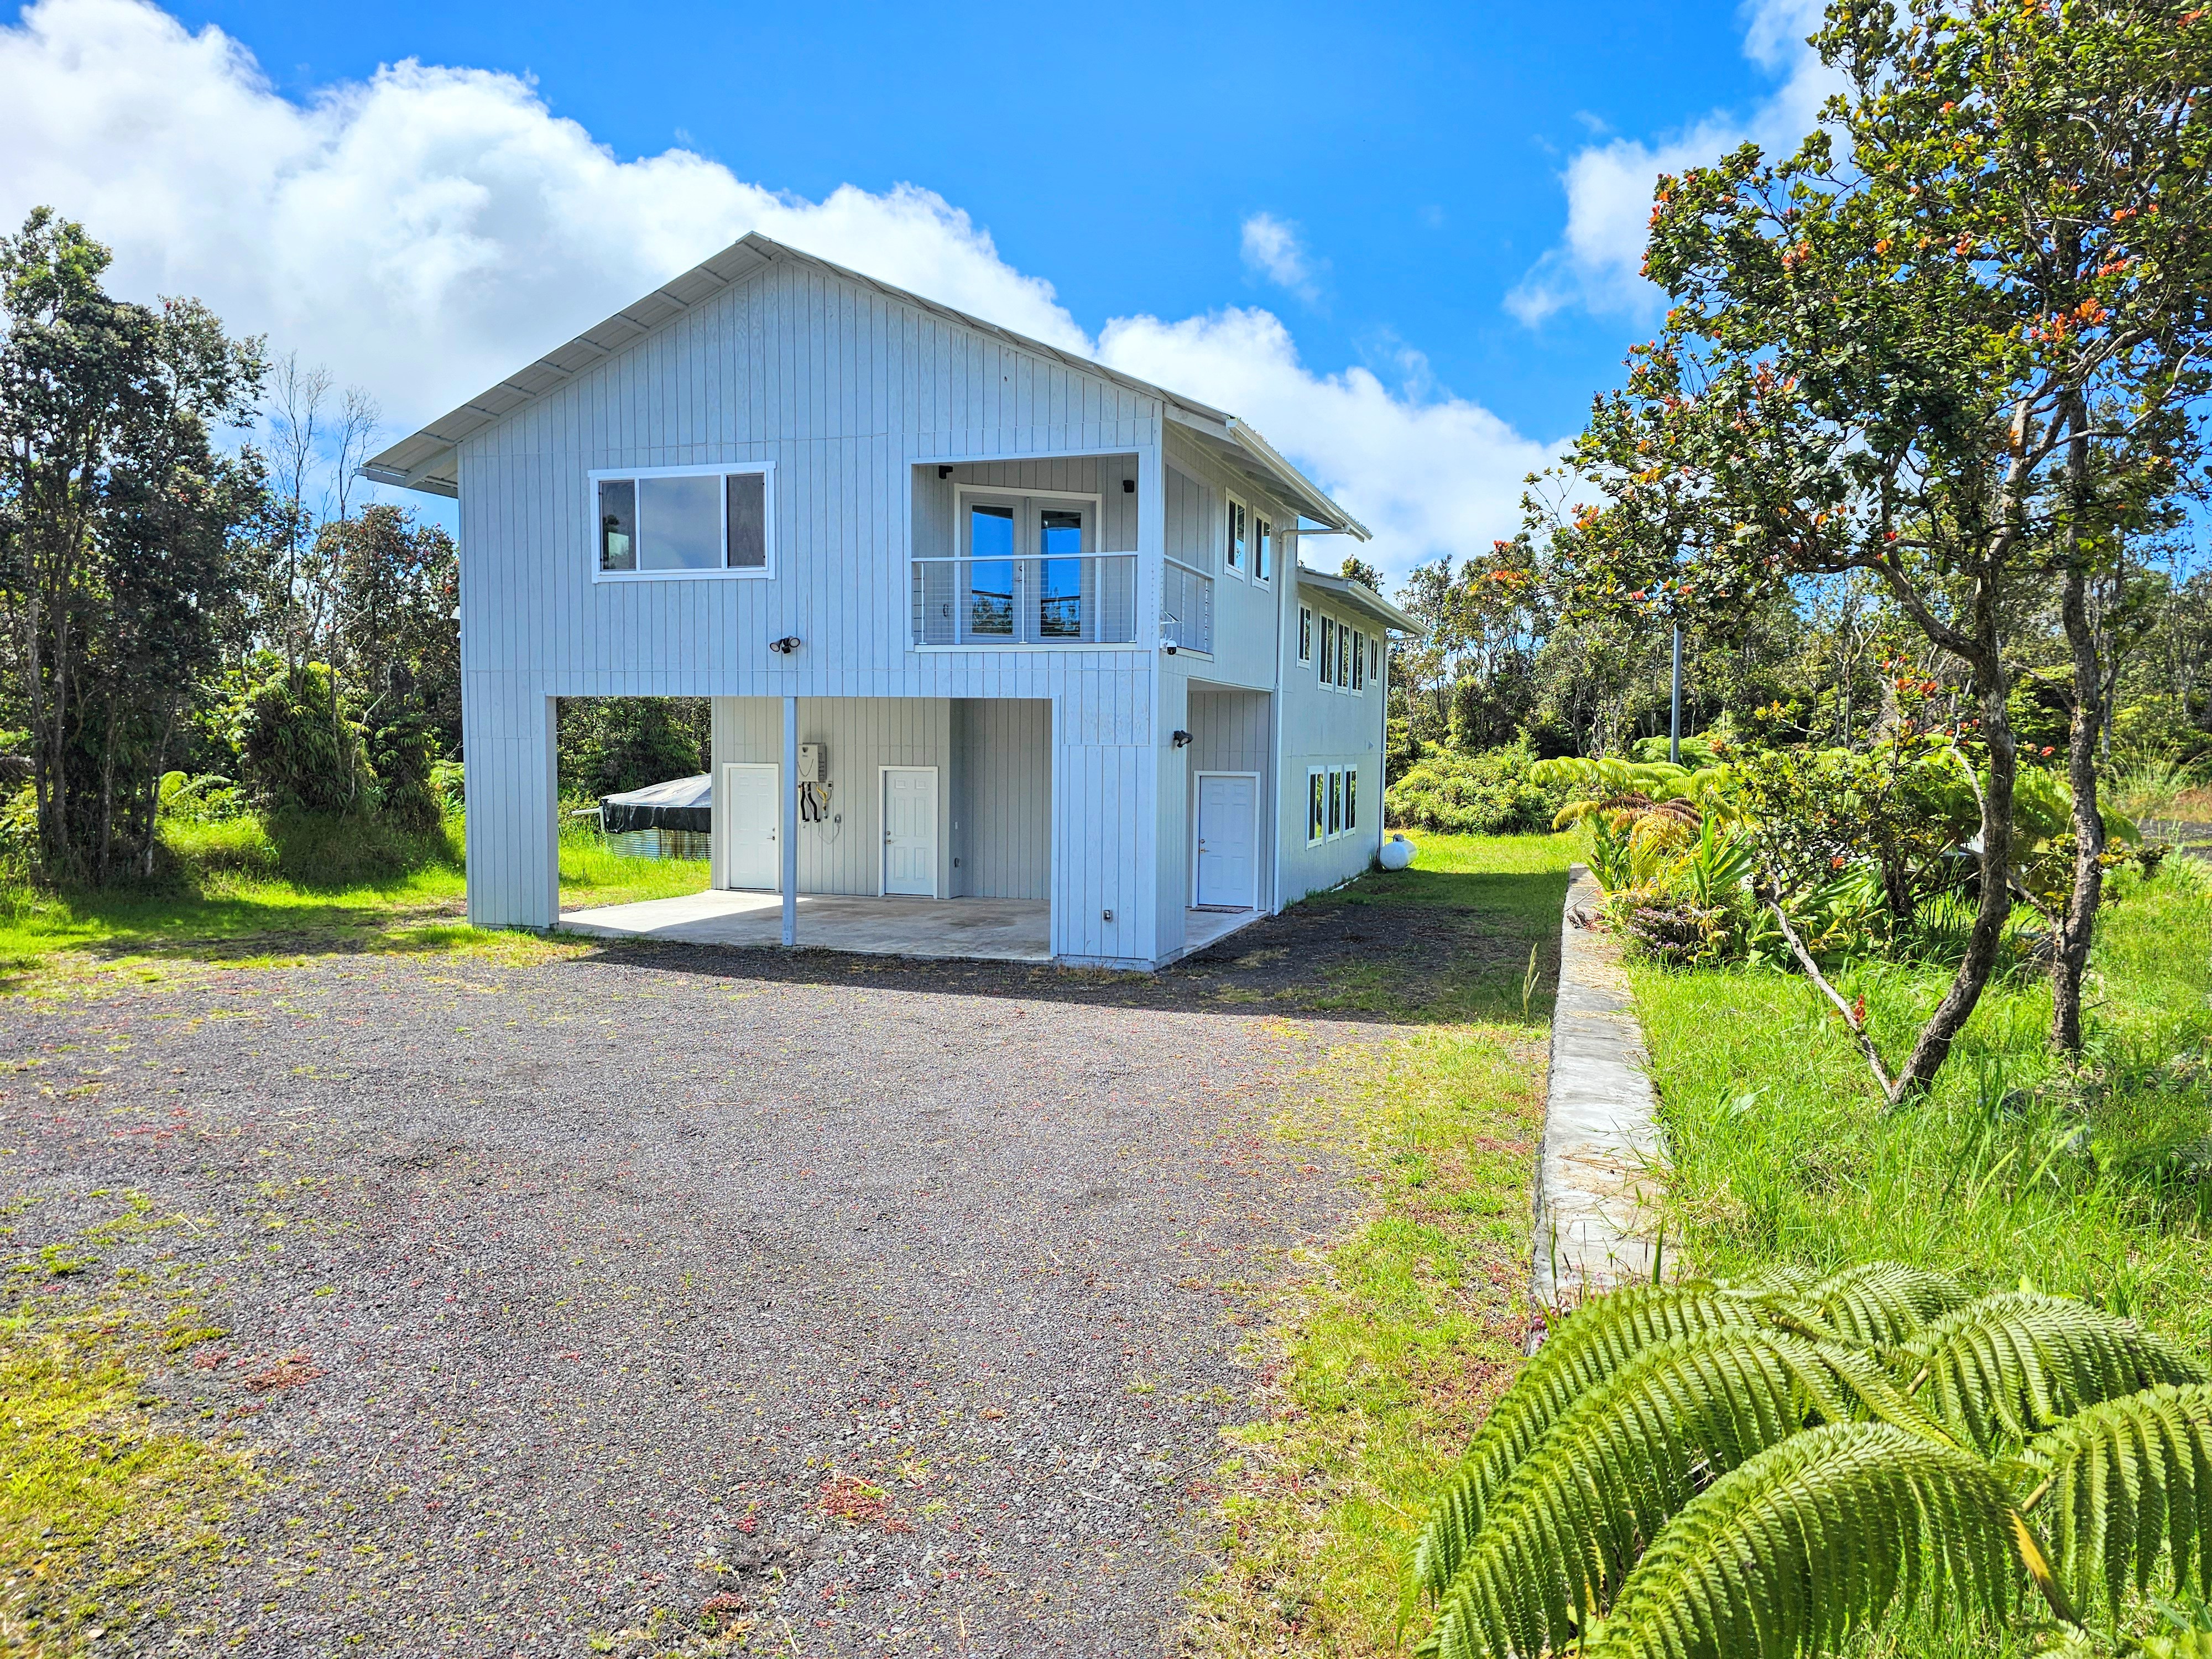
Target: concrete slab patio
x: 981, y: 929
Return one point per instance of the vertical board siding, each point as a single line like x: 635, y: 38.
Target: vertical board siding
x: 1326, y: 728
x: 843, y: 389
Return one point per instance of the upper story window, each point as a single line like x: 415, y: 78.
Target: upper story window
x: 1305, y: 633
x: 682, y: 521
x: 1358, y: 660
x: 1026, y: 570
x: 1328, y: 651
x: 1263, y: 550
x: 1235, y: 553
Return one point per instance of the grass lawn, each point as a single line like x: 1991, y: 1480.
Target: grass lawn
x: 2095, y: 1183
x: 110, y: 1502
x: 241, y: 892
x: 1388, y: 1347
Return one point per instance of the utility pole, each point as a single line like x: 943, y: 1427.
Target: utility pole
x: 1675, y: 723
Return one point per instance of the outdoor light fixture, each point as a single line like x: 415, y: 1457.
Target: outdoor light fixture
x: 943, y: 471
x: 1183, y: 739
x: 785, y: 646
x: 1128, y: 486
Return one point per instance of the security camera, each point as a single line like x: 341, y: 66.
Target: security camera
x: 1170, y: 647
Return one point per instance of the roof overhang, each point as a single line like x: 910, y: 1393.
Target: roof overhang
x: 429, y: 461
x: 1360, y: 597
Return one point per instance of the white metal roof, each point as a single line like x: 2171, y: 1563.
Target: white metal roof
x: 1361, y: 597
x: 427, y: 460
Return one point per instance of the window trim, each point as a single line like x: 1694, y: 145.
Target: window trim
x: 1316, y: 806
x: 1233, y: 560
x: 764, y: 571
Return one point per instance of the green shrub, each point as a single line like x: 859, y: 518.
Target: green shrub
x: 1490, y: 793
x: 300, y: 747
x: 402, y: 755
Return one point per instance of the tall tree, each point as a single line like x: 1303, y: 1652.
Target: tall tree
x: 1898, y: 349
x: 116, y: 517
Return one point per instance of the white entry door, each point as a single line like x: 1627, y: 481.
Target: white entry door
x: 910, y: 830
x: 752, y: 811
x: 1228, y: 839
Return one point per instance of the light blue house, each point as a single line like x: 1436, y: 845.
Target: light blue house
x: 1010, y: 655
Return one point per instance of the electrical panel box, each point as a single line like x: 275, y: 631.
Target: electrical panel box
x: 813, y: 764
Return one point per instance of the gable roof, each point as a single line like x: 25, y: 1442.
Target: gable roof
x: 428, y: 460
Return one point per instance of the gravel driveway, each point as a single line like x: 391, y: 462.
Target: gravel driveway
x: 874, y: 1307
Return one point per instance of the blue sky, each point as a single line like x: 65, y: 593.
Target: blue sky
x: 1250, y: 203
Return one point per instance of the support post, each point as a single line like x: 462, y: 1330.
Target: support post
x: 787, y: 830
x: 1674, y: 723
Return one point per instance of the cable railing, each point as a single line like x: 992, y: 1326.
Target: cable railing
x: 1091, y: 600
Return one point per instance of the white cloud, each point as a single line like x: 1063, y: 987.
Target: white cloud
x: 429, y: 230
x: 1425, y: 474
x: 1273, y: 250
x: 1598, y: 264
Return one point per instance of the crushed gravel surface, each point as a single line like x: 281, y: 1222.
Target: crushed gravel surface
x: 845, y: 1306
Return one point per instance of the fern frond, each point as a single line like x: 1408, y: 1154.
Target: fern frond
x: 1565, y: 1526
x: 2009, y: 1366
x: 1787, y: 1554
x: 1591, y: 1344
x: 2126, y: 1484
x: 1880, y: 1302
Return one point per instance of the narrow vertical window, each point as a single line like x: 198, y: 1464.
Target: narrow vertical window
x: 990, y: 606
x: 617, y: 524
x: 1335, y: 800
x: 1343, y: 657
x: 1351, y: 798
x: 1305, y: 633
x: 1263, y: 550
x: 1328, y: 650
x: 1316, y: 806
x: 1375, y: 659
x: 1233, y: 555
x: 1358, y: 660
x: 745, y: 526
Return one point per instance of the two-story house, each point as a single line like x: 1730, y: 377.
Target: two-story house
x: 984, y: 623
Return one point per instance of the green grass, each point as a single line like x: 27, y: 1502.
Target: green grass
x: 245, y: 891
x: 1388, y: 1347
x: 2096, y: 1183
x: 106, y: 1510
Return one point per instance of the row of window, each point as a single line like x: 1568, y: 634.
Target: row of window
x: 1332, y: 803
x: 1350, y: 657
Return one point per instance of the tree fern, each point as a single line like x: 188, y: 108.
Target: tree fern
x: 1566, y: 1525
x: 2125, y: 1484
x: 1591, y: 1345
x: 2008, y: 1366
x: 1879, y: 1303
x: 1826, y: 1532
x: 1707, y: 1469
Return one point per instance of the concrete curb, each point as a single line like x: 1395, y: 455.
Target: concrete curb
x: 1602, y: 1155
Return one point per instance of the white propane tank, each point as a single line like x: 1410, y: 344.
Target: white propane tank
x: 1397, y: 853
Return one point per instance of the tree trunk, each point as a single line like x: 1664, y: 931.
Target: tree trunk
x: 1934, y: 1045
x: 2069, y: 957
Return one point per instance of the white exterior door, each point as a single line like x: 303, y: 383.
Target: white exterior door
x: 910, y: 830
x: 751, y: 800
x: 1228, y: 839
